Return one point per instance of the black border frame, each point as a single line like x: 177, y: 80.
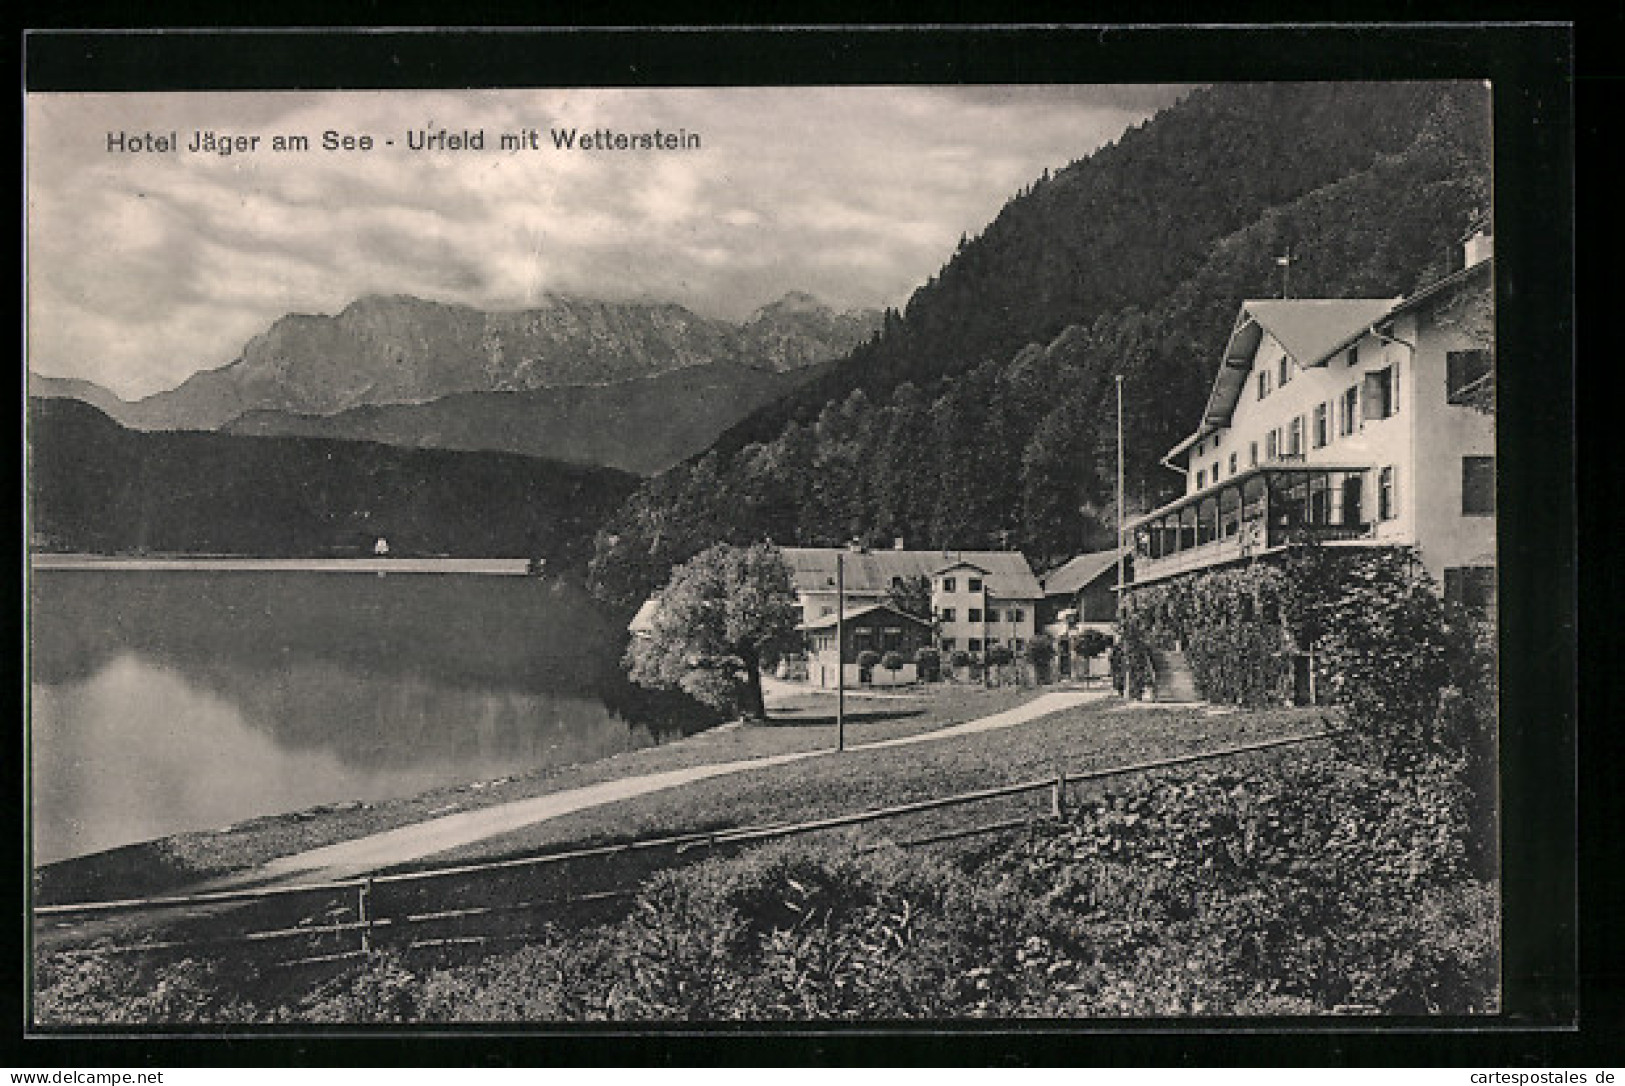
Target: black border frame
x: 1531, y: 66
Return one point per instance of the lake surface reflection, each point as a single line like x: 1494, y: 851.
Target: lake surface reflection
x: 182, y: 700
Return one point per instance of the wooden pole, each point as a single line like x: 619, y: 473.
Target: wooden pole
x: 362, y: 898
x: 840, y: 651
x: 1128, y: 690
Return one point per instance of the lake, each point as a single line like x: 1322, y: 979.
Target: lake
x: 175, y: 700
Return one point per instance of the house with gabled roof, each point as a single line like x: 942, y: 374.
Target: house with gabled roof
x: 1344, y: 422
x: 979, y: 599
x: 1081, y: 593
x: 834, y: 642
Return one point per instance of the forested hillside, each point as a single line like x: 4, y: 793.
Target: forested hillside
x: 99, y: 488
x: 983, y: 415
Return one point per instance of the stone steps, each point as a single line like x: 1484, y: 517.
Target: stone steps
x: 1175, y: 680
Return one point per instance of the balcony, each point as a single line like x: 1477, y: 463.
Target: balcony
x: 1261, y: 511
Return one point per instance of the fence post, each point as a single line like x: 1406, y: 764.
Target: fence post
x: 1058, y: 797
x: 363, y: 914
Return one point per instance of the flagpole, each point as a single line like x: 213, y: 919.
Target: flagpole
x: 1121, y: 649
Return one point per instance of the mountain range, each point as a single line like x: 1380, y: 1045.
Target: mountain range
x: 643, y: 425
x: 396, y: 351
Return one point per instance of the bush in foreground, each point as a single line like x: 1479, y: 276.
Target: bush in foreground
x: 1313, y: 885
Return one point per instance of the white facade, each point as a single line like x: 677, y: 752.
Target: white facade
x: 972, y: 618
x: 1341, y: 421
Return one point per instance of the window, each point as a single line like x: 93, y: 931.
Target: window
x: 974, y: 614
x: 1294, y: 438
x: 946, y: 614
x: 891, y: 639
x: 1353, y: 357
x: 1387, y: 499
x: 948, y: 584
x: 1263, y: 383
x: 1215, y: 475
x: 1232, y: 463
x: 1286, y: 370
x: 1379, y: 394
x: 1467, y: 373
x: 1470, y: 586
x: 947, y: 644
x: 1322, y: 431
x: 973, y: 584
x: 1017, y: 614
x: 1348, y: 417
x: 1272, y: 444
x: 1018, y: 644
x: 1201, y: 479
x: 1252, y: 455
x: 974, y: 644
x: 1478, y: 486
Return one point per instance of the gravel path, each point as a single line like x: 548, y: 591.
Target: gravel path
x: 422, y: 839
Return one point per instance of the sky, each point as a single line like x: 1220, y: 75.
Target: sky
x: 146, y: 266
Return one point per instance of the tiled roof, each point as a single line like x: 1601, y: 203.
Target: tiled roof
x: 828, y: 621
x: 1007, y: 572
x: 1078, y: 573
x: 1312, y: 329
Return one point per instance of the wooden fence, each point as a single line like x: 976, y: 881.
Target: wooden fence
x: 372, y: 928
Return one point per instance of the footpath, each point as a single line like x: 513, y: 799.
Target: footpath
x: 420, y: 840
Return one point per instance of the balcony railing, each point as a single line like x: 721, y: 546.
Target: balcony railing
x: 1244, y: 545
x: 1262, y: 510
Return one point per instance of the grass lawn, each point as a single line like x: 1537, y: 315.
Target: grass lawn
x: 1075, y: 741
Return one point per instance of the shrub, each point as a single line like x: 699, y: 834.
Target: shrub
x: 1091, y: 643
x: 1041, y: 653
x: 928, y: 662
x: 961, y: 659
x: 892, y: 661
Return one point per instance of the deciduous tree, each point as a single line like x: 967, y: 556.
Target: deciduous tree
x: 726, y: 613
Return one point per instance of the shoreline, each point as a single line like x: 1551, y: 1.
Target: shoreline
x: 173, y: 862
x: 508, y: 567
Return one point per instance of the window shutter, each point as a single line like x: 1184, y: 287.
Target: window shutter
x: 1374, y: 396
x: 1463, y: 369
x: 1478, y: 485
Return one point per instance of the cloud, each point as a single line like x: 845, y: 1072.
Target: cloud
x: 144, y: 267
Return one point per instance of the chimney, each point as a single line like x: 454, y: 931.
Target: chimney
x: 897, y: 544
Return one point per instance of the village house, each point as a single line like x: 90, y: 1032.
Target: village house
x: 1347, y: 423
x: 1082, y: 593
x: 877, y: 627
x: 979, y: 599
